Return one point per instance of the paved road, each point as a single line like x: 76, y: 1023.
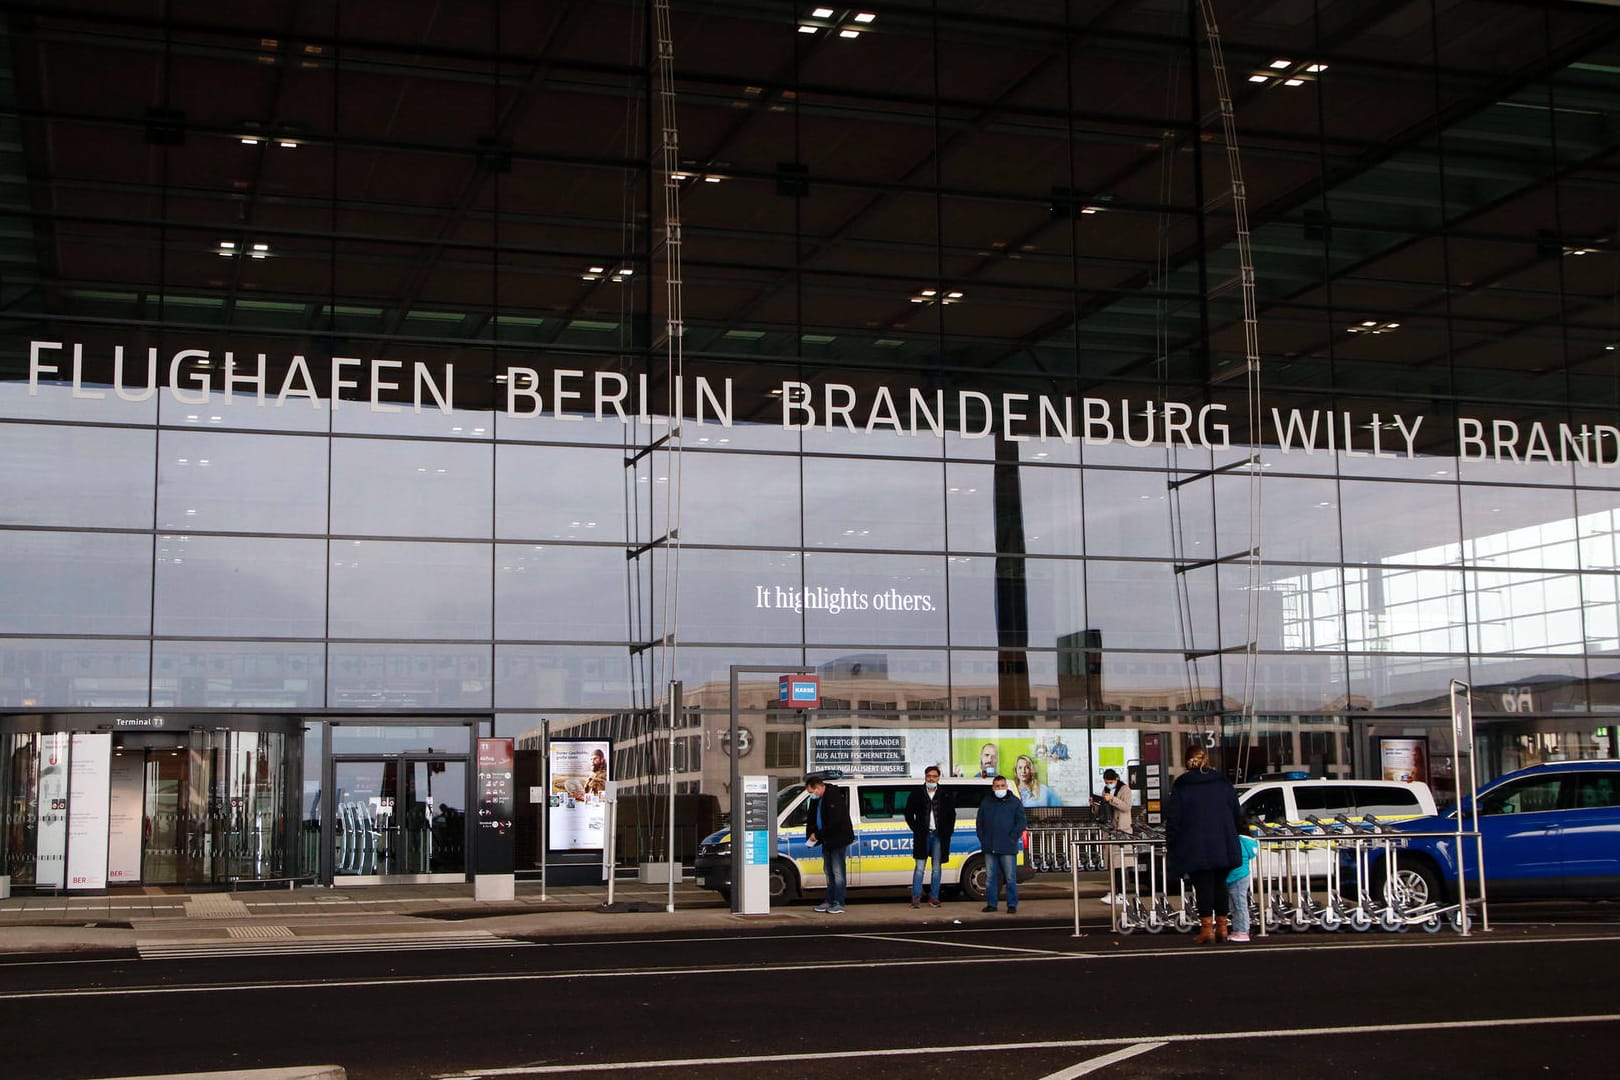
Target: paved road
x: 1021, y: 998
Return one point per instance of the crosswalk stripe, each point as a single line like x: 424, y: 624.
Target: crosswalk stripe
x: 480, y: 939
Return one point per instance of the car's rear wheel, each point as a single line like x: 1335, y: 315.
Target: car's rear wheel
x: 784, y: 882
x: 975, y: 878
x: 1413, y: 885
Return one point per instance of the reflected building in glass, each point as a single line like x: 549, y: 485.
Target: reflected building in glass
x: 355, y: 406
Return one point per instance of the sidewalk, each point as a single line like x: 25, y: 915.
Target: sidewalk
x: 148, y: 919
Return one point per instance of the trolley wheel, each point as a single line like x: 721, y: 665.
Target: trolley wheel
x: 1455, y: 921
x: 1332, y: 921
x: 1299, y: 922
x: 1360, y: 921
x: 1156, y: 923
x: 1127, y: 922
x: 1186, y: 922
x: 1431, y: 925
x: 1390, y: 921
x: 975, y: 878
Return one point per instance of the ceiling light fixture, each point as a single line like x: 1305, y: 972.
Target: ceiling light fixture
x: 1373, y: 326
x: 846, y: 32
x: 1280, y: 64
x: 822, y: 13
x: 865, y: 17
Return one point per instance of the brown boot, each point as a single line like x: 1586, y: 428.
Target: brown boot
x: 1221, y: 925
x: 1206, y: 930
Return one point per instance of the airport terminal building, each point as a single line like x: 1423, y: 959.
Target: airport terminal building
x: 1061, y: 382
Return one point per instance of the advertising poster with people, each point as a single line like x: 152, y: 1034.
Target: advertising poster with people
x: 578, y: 811
x: 1061, y: 767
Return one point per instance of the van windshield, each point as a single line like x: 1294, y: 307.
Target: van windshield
x: 784, y: 798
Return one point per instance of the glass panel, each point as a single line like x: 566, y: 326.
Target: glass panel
x: 875, y: 599
x: 242, y: 483
x: 1137, y: 514
x: 410, y: 590
x: 1398, y: 683
x: 433, y: 824
x: 75, y: 583
x: 295, y: 413
x: 1416, y: 611
x: 234, y: 586
x: 372, y: 676
x: 1299, y: 518
x: 556, y: 677
x: 740, y: 499
x: 53, y: 673
x: 238, y: 675
x: 873, y: 504
x: 56, y: 400
x: 1295, y: 683
x: 561, y: 493
x: 970, y: 510
x: 1015, y: 602
x: 1525, y: 612
x: 1522, y: 527
x: 753, y: 596
x: 363, y: 808
x: 1389, y: 522
x: 383, y: 487
x: 258, y: 839
x: 1299, y: 608
x: 1053, y: 524
x: 562, y: 592
x: 1599, y: 526
x: 77, y: 476
x: 1137, y: 605
x: 398, y: 738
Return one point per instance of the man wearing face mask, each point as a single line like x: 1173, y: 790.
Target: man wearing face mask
x: 932, y: 817
x: 1001, y: 823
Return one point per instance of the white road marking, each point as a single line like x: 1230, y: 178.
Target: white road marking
x: 1152, y: 1042
x: 1091, y: 1065
x: 472, y: 939
x: 522, y: 977
x: 969, y: 945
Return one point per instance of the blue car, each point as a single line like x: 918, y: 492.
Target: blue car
x: 1551, y: 831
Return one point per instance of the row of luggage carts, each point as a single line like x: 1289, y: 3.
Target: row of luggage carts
x: 1326, y: 875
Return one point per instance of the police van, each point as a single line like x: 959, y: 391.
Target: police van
x: 1292, y: 803
x: 881, y: 853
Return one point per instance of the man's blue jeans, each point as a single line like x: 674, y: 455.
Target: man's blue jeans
x: 933, y: 853
x: 1007, y: 866
x: 833, y: 862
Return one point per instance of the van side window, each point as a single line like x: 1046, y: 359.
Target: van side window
x: 1323, y: 800
x: 1267, y: 804
x: 967, y: 797
x: 878, y: 803
x: 1386, y: 801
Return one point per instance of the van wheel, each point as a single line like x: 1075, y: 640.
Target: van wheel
x: 784, y: 882
x: 975, y: 878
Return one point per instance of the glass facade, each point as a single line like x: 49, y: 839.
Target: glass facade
x: 344, y: 368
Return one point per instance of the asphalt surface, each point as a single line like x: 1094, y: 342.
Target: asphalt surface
x: 437, y: 986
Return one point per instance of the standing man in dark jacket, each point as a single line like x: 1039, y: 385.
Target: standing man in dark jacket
x: 1001, y: 824
x: 1201, y: 826
x: 932, y: 817
x: 828, y: 824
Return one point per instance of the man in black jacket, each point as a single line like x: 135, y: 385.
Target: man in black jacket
x: 932, y: 817
x: 828, y: 824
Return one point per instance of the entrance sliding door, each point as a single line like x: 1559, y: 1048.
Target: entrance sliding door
x: 402, y: 817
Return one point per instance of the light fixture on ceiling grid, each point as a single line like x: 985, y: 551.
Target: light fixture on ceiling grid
x: 1286, y: 72
x: 847, y: 23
